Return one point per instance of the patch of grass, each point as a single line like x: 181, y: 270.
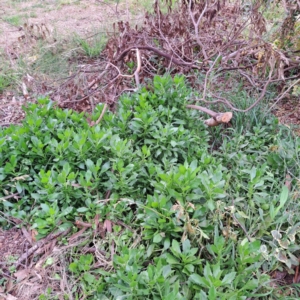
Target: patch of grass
x: 92, y: 47
x: 32, y: 14
x: 52, y: 63
x: 48, y: 60
x: 14, y: 20
x: 4, y: 82
x: 61, y: 3
x: 8, y: 75
x: 67, y: 2
x: 38, y: 5
x: 18, y: 20
x: 274, y: 13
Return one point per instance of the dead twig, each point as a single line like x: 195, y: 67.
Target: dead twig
x: 80, y: 224
x: 282, y: 95
x: 163, y: 54
x: 230, y: 105
x: 99, y: 77
x: 123, y: 224
x: 27, y: 235
x: 196, y: 26
x: 139, y: 65
x: 101, y: 115
x: 76, y: 235
x: 207, y: 74
x: 40, y: 244
x: 15, y: 196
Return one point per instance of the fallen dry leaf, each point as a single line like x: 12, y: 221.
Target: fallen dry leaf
x: 21, y: 274
x: 107, y: 225
x: 10, y: 297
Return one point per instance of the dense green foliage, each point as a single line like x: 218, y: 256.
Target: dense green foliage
x: 206, y: 222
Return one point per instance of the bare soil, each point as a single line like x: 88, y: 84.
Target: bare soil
x: 288, y: 112
x: 12, y: 245
x: 63, y: 18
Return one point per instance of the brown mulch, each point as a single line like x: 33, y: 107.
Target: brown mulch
x: 28, y: 268
x: 24, y: 276
x: 288, y: 113
x: 11, y: 109
x: 12, y: 245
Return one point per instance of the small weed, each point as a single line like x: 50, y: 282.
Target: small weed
x: 8, y: 76
x: 31, y: 15
x: 47, y: 61
x: 67, y: 2
x: 14, y: 20
x: 92, y: 47
x: 4, y: 82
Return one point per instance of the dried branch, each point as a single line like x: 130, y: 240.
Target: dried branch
x: 81, y: 224
x: 157, y: 51
x: 283, y: 95
x: 139, y: 65
x: 102, y: 114
x: 208, y: 73
x: 196, y: 25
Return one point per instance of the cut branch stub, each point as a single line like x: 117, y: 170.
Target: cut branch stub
x: 219, y: 119
x: 216, y: 118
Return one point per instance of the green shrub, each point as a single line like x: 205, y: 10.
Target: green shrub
x: 174, y: 194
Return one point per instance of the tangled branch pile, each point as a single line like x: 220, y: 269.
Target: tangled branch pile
x: 207, y: 41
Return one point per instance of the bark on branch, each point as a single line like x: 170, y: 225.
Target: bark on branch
x: 216, y: 118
